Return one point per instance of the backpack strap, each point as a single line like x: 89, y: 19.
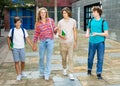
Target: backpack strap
x: 24, y: 34
x: 103, y: 25
x: 90, y: 22
x: 12, y: 34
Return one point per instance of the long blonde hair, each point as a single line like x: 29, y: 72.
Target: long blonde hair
x: 38, y: 14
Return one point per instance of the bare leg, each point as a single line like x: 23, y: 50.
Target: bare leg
x: 17, y: 67
x: 22, y: 66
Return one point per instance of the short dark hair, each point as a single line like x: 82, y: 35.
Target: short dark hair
x: 98, y: 9
x: 67, y: 10
x: 16, y: 19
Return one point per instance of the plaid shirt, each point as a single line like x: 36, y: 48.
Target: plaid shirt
x: 44, y: 30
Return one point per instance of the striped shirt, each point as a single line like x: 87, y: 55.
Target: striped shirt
x: 44, y: 30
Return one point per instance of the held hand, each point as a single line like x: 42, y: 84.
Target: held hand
x: 34, y: 48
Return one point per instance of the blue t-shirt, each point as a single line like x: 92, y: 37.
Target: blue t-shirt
x: 96, y: 26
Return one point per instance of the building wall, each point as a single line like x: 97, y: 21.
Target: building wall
x: 80, y: 4
x: 111, y: 9
x: 111, y: 13
x: 51, y: 3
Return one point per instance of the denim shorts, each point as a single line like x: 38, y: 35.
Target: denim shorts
x: 18, y: 54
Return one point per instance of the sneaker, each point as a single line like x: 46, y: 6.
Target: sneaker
x: 19, y: 77
x: 71, y: 77
x: 41, y: 75
x: 89, y: 72
x: 46, y: 78
x: 23, y: 74
x: 64, y: 72
x: 99, y: 76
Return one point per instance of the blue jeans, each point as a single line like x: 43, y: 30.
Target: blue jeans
x: 45, y: 46
x: 99, y: 47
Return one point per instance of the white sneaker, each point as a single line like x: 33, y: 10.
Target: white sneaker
x: 41, y: 75
x: 71, y: 77
x: 46, y: 78
x: 23, y: 74
x: 19, y: 77
x: 64, y: 72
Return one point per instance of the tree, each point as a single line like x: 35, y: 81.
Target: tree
x: 3, y: 3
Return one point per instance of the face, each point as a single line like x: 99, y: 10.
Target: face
x: 18, y: 24
x: 65, y: 14
x: 95, y: 14
x: 43, y: 14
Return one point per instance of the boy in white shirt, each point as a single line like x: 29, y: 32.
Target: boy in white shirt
x: 18, y: 36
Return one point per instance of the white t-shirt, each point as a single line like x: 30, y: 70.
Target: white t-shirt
x: 18, y: 37
x: 67, y: 27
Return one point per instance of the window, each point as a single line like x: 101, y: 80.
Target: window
x: 88, y: 14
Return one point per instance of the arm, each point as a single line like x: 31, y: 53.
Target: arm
x: 35, y: 39
x: 105, y: 33
x: 87, y: 35
x: 52, y: 24
x: 75, y: 37
x: 29, y: 41
x: 8, y: 42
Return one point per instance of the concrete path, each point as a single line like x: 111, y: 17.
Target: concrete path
x: 111, y: 67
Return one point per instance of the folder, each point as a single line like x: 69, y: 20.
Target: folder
x: 63, y: 33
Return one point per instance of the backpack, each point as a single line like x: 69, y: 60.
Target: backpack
x: 102, y: 24
x: 12, y: 34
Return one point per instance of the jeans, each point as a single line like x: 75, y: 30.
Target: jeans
x: 45, y: 46
x: 100, y: 48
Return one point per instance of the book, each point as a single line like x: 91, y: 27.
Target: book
x: 11, y: 45
x: 63, y: 33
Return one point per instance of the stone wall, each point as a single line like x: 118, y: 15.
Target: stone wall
x: 111, y: 9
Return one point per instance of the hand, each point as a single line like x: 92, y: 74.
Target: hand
x: 87, y: 35
x: 94, y: 34
x: 55, y: 30
x: 10, y: 48
x: 34, y: 48
x: 63, y: 37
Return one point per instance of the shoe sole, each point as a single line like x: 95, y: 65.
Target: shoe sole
x: 72, y: 79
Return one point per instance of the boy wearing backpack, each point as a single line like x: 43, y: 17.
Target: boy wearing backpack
x: 96, y: 32
x: 18, y: 36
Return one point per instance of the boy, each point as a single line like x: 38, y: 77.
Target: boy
x: 68, y: 40
x: 96, y: 32
x: 18, y: 51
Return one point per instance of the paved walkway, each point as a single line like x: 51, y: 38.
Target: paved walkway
x: 111, y: 70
